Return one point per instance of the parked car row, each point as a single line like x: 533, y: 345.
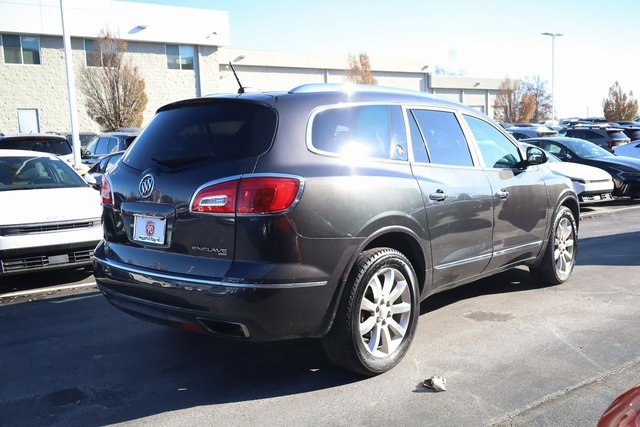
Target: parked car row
x: 625, y: 171
x: 96, y: 147
x: 530, y: 130
x: 590, y: 183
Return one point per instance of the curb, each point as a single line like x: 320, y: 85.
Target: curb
x: 46, y: 290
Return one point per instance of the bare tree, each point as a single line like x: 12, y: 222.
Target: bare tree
x: 114, y: 91
x: 359, y: 71
x: 618, y: 105
x: 508, y: 104
x: 542, y: 99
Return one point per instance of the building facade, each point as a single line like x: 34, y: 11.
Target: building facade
x: 180, y: 53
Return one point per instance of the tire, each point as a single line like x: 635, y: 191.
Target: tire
x: 559, y: 257
x: 377, y: 315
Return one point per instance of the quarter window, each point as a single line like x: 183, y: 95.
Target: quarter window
x: 19, y: 49
x: 496, y: 149
x: 180, y: 57
x: 445, y: 142
x: 361, y: 131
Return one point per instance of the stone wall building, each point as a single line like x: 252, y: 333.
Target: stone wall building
x: 180, y: 52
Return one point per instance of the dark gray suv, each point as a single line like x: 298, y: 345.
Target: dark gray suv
x: 323, y: 212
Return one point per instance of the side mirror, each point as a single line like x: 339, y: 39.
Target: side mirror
x: 535, y: 156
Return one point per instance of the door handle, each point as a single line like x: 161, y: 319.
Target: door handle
x: 438, y: 196
x: 502, y: 194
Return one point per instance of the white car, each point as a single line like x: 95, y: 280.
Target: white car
x: 631, y: 149
x: 50, y: 218
x: 591, y: 184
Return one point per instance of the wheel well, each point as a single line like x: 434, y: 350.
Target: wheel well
x: 575, y: 208
x: 409, y: 247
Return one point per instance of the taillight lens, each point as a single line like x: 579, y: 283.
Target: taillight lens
x: 105, y: 192
x: 217, y: 198
x: 252, y: 195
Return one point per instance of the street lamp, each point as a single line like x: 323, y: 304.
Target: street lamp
x: 553, y: 54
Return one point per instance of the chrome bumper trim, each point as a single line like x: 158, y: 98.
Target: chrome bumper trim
x: 152, y: 277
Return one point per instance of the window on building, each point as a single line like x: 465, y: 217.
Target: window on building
x: 19, y: 49
x: 107, y: 56
x: 91, y: 56
x: 180, y: 57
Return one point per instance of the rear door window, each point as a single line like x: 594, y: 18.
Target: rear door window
x: 442, y: 134
x: 589, y: 134
x: 218, y: 131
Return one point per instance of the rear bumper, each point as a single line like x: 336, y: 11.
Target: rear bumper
x: 258, y: 311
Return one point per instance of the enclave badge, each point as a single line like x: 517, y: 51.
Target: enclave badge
x: 146, y: 185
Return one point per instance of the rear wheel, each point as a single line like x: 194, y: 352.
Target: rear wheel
x: 377, y: 315
x: 559, y: 258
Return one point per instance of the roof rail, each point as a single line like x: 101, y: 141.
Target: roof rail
x: 350, y: 87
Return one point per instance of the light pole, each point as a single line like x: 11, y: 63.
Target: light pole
x: 553, y: 56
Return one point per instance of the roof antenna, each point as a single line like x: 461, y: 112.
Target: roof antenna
x: 240, y: 89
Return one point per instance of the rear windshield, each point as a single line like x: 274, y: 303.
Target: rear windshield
x: 617, y: 134
x: 216, y: 131
x: 55, y: 146
x: 28, y: 173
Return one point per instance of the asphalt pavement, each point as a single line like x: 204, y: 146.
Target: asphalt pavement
x: 513, y: 353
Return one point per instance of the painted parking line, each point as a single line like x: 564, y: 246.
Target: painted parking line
x: 48, y: 289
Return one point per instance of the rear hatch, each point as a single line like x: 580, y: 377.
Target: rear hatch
x: 44, y: 144
x: 189, y: 146
x: 616, y: 137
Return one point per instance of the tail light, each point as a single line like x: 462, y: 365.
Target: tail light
x: 105, y: 192
x: 249, y: 195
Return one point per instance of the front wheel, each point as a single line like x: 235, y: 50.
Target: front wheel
x: 377, y: 315
x: 559, y: 258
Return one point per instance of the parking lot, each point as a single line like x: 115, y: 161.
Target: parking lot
x: 513, y: 353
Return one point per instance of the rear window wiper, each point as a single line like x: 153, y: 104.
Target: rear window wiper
x: 179, y: 161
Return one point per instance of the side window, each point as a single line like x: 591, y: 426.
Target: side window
x: 496, y: 149
x: 360, y: 131
x: 593, y: 135
x: 113, y: 146
x: 446, y: 144
x: 417, y: 143
x: 101, y: 147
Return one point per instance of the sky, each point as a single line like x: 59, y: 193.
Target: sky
x: 490, y: 38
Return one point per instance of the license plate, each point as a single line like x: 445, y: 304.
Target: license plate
x: 58, y: 259
x: 148, y: 229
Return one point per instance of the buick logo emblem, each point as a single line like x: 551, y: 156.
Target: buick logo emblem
x: 146, y: 186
